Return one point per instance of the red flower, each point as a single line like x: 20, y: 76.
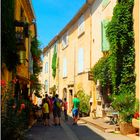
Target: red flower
x: 3, y: 83
x: 22, y: 106
x: 136, y: 115
x: 14, y: 80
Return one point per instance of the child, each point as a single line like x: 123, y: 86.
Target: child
x: 46, y: 116
x: 65, y: 104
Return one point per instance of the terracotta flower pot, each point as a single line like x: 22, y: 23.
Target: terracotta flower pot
x: 127, y: 128
x: 136, y: 123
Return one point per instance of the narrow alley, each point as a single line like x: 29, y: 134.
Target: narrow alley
x: 67, y: 131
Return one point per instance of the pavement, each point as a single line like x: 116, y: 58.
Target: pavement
x: 104, y: 125
x: 99, y: 126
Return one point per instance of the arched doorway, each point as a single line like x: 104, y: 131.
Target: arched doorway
x: 64, y: 93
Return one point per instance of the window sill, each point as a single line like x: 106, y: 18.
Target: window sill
x: 65, y: 77
x: 80, y: 73
x: 64, y: 47
x: 81, y: 34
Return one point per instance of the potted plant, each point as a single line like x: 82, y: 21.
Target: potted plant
x: 84, y: 103
x: 124, y: 104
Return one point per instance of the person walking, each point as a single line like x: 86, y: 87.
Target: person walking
x: 45, y: 109
x: 75, y: 109
x: 57, y: 104
x: 65, y: 105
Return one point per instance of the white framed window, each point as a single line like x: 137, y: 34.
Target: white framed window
x: 80, y: 60
x: 81, y: 25
x: 64, y: 67
x: 65, y: 40
x: 46, y: 67
x: 46, y: 85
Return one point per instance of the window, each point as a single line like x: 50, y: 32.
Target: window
x: 46, y: 67
x: 81, y: 25
x: 105, y: 43
x: 64, y: 67
x: 65, y: 40
x: 46, y: 85
x: 80, y: 60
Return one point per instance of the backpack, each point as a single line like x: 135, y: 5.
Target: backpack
x: 58, y: 104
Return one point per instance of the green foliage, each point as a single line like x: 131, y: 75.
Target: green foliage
x: 121, y: 37
x: 8, y: 46
x: 35, y: 85
x: 125, y: 104
x: 101, y: 71
x: 36, y: 54
x: 84, y: 102
x: 14, y: 120
x: 54, y: 63
x: 137, y: 106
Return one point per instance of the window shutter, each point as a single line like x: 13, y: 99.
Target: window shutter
x: 64, y: 67
x: 105, y: 43
x: 80, y: 60
x: 105, y: 3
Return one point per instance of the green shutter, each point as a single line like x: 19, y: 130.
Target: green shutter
x: 105, y: 43
x: 105, y: 3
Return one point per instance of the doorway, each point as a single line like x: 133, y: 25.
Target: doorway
x: 70, y: 99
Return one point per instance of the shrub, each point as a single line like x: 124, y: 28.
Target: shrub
x: 125, y: 104
x: 14, y: 115
x: 84, y: 102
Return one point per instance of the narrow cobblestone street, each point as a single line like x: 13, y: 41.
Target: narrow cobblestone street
x: 67, y: 131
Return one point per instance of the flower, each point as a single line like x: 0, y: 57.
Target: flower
x: 3, y: 83
x: 22, y: 106
x: 137, y: 115
x: 14, y: 80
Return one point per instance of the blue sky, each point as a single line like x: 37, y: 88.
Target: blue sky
x: 52, y: 16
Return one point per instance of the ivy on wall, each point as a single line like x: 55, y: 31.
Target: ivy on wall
x: 121, y: 37
x: 117, y: 69
x: 36, y: 54
x: 9, y: 54
x: 54, y: 62
x: 101, y: 71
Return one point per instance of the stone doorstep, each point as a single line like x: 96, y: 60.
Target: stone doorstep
x: 134, y: 136
x: 100, y: 126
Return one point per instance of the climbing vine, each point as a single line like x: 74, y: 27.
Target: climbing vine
x: 121, y: 37
x: 54, y: 62
x: 9, y: 54
x: 101, y: 71
x: 36, y: 54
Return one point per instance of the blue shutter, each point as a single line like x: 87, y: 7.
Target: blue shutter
x: 46, y: 85
x: 64, y: 67
x: 80, y: 60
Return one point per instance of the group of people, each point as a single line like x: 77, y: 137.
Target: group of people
x: 52, y: 107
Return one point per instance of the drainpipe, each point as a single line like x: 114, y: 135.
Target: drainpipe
x: 74, y: 66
